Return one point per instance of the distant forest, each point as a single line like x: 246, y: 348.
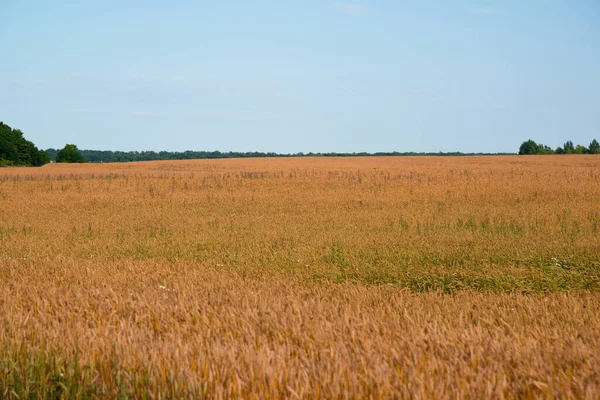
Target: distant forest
x: 18, y: 151
x: 98, y: 156
x: 15, y: 150
x: 530, y: 147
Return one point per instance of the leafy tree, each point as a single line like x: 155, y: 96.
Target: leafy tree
x: 543, y: 149
x: 40, y: 158
x: 8, y: 150
x: 569, y: 147
x: 69, y: 154
x: 594, y: 147
x: 529, y: 147
x: 16, y: 150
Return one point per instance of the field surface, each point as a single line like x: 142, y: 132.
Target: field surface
x: 307, y: 278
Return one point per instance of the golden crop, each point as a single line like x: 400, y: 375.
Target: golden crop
x: 302, y: 277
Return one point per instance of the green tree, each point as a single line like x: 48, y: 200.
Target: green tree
x: 581, y: 149
x: 69, y: 154
x: 16, y: 150
x: 543, y: 149
x: 8, y: 151
x: 529, y: 147
x: 594, y: 147
x: 569, y: 148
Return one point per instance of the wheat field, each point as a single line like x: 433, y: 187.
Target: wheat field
x: 354, y: 277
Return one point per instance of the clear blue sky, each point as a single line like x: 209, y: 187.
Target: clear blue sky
x: 291, y: 76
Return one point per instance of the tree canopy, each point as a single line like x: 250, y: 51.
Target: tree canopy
x: 594, y: 147
x: 531, y: 147
x: 70, y: 154
x: 16, y: 150
x: 98, y: 156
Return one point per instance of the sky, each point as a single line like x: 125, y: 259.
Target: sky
x: 301, y: 76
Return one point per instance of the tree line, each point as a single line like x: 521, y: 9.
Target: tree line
x: 15, y: 150
x: 99, y: 156
x: 531, y: 147
x: 18, y: 151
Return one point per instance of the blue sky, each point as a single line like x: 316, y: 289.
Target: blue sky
x: 300, y: 76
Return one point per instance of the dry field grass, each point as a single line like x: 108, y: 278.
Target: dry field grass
x: 303, y: 277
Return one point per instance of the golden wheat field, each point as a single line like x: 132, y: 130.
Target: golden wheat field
x: 401, y: 277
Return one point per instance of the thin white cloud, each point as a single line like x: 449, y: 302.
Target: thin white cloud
x: 238, y: 115
x: 91, y: 110
x: 485, y: 11
x: 143, y: 113
x: 353, y: 9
